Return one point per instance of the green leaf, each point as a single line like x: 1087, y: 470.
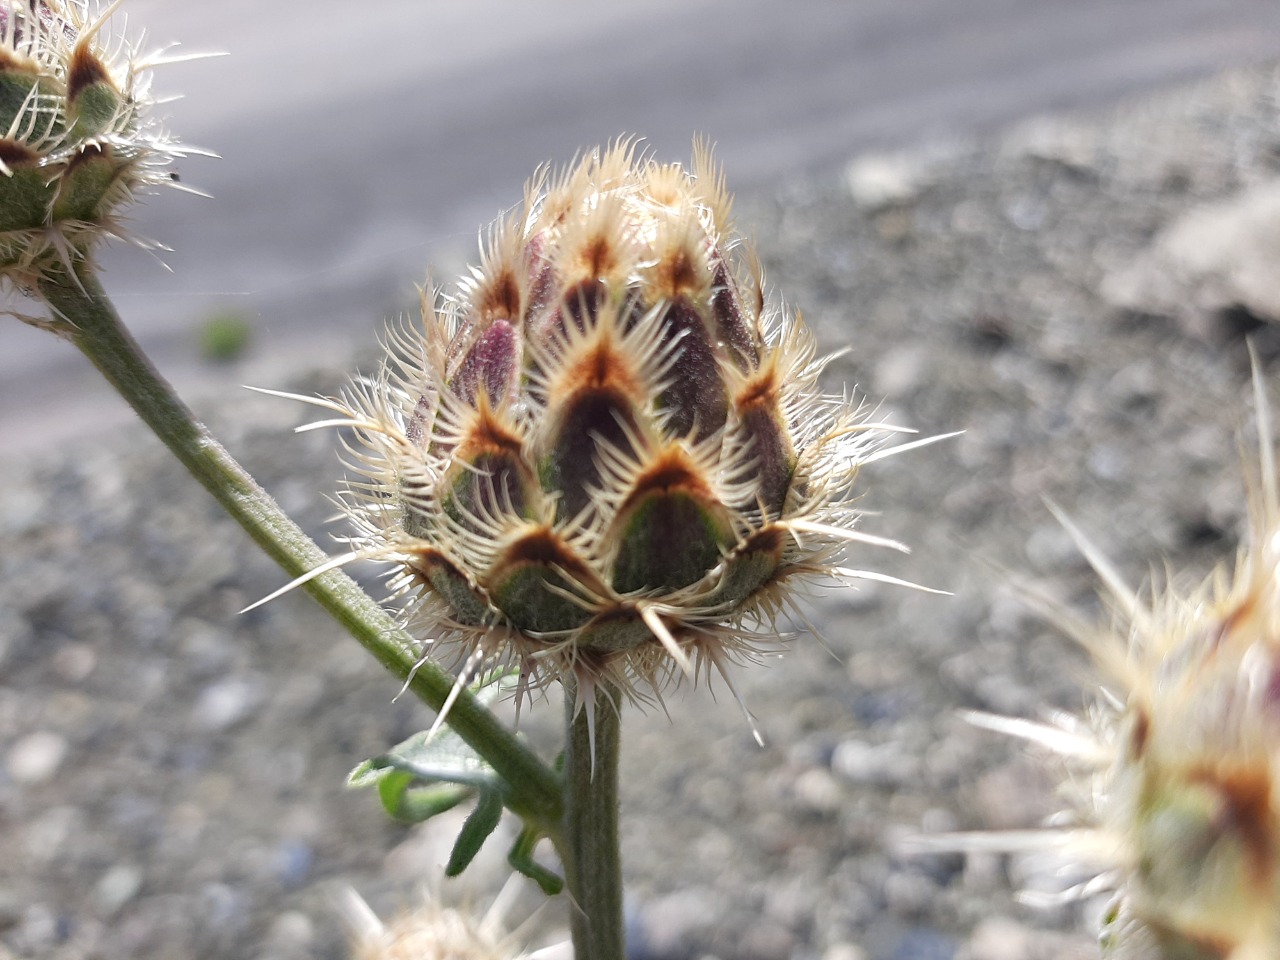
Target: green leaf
x: 482, y: 821
x: 367, y: 773
x: 521, y: 859
x: 403, y: 801
x: 428, y: 774
x: 442, y: 758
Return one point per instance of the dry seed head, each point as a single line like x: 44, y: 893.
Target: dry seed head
x: 603, y: 457
x: 76, y: 140
x: 1181, y: 754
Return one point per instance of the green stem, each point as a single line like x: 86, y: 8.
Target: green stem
x: 89, y: 320
x: 593, y: 862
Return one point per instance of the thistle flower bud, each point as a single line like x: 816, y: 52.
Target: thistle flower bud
x: 1192, y: 793
x: 1182, y: 754
x: 75, y: 140
x: 603, y: 455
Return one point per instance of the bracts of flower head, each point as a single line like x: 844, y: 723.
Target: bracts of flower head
x: 603, y: 456
x: 77, y: 141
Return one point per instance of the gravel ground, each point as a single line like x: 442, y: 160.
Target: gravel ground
x: 1074, y: 294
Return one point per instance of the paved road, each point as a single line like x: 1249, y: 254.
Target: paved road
x: 362, y: 141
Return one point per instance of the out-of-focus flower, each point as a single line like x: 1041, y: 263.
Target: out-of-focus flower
x: 1180, y: 755
x: 603, y: 455
x: 433, y: 931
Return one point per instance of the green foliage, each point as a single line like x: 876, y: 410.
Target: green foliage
x: 434, y: 771
x: 224, y: 337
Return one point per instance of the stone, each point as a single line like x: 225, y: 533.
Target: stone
x: 1216, y: 257
x: 36, y: 757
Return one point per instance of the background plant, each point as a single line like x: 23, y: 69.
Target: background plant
x: 1176, y: 757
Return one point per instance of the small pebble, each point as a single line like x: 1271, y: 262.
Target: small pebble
x: 11, y: 906
x: 38, y: 931
x: 880, y: 180
x: 74, y: 662
x: 292, y: 930
x: 226, y: 703
x: 766, y: 940
x: 999, y: 938
x: 671, y: 922
x: 922, y: 944
x: 116, y: 888
x: 36, y: 757
x: 984, y: 872
x: 901, y: 371
x: 909, y: 893
x: 292, y: 862
x: 884, y: 765
x: 818, y: 790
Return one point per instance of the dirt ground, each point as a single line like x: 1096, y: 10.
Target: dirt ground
x: 172, y: 772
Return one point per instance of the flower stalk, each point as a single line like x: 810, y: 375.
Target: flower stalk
x: 593, y: 862
x: 87, y: 318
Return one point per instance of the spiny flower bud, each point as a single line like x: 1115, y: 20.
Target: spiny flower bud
x: 1192, y: 795
x: 75, y: 140
x: 1182, y: 754
x: 604, y: 456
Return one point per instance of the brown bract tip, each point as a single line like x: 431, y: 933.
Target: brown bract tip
x: 499, y: 296
x: 681, y: 269
x: 15, y: 154
x: 601, y: 366
x: 761, y: 391
x: 487, y: 433
x: 671, y: 471
x: 543, y: 547
x: 85, y: 70
x: 1245, y: 794
x: 13, y: 62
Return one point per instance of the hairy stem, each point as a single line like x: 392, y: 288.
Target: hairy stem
x: 593, y: 862
x: 88, y: 319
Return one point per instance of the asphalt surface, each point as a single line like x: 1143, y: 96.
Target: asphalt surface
x: 362, y: 142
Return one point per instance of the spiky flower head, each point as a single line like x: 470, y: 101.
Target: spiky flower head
x: 603, y: 456
x: 76, y: 141
x: 1182, y: 754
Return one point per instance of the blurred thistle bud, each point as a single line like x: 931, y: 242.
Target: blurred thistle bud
x: 76, y: 142
x: 1190, y: 797
x: 433, y: 931
x: 603, y: 457
x: 1181, y: 754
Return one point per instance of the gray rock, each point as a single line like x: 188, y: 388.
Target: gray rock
x: 1214, y: 257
